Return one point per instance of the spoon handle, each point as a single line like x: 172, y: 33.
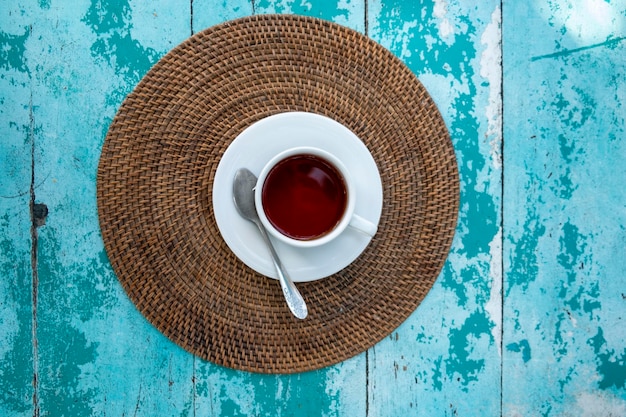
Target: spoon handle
x: 294, y: 299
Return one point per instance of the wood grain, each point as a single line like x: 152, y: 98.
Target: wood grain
x: 528, y: 315
x: 565, y: 211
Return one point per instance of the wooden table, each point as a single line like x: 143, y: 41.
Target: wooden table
x: 528, y: 315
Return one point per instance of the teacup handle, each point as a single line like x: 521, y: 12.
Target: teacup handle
x: 364, y: 226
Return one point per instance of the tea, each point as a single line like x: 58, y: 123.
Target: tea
x: 304, y: 197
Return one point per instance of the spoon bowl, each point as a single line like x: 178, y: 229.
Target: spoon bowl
x: 243, y: 196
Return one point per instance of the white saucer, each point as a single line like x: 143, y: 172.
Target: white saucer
x: 252, y: 149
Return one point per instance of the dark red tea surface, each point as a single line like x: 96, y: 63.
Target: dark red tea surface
x: 304, y: 197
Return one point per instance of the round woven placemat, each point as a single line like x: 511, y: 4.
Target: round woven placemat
x: 155, y: 180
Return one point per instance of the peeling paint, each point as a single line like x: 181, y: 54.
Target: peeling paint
x: 493, y: 307
x: 60, y: 314
x: 223, y: 391
x: 16, y: 362
x: 562, y: 275
x: 524, y: 266
x: 564, y: 215
x: 491, y: 71
x: 572, y: 246
x: 460, y: 365
x: 111, y: 22
x: 349, y: 13
x: 573, y: 259
x: 59, y: 387
x: 455, y: 55
x: 206, y: 13
x: 522, y: 347
x: 611, y: 365
x: 583, y: 22
x: 440, y: 11
x: 12, y: 51
x: 593, y: 404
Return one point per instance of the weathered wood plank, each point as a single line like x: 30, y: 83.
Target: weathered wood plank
x: 445, y: 359
x: 97, y: 354
x: 337, y: 390
x: 65, y: 67
x: 16, y: 273
x: 565, y: 142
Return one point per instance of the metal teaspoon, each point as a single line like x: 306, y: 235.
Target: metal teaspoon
x: 243, y: 195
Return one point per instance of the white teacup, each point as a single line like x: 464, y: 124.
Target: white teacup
x: 306, y: 197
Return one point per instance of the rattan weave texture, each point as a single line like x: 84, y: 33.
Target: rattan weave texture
x: 155, y: 179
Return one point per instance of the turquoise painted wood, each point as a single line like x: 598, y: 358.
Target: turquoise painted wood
x: 565, y: 209
x: 527, y: 317
x: 17, y: 362
x: 445, y: 359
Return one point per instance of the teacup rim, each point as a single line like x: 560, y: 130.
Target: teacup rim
x: 330, y: 158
